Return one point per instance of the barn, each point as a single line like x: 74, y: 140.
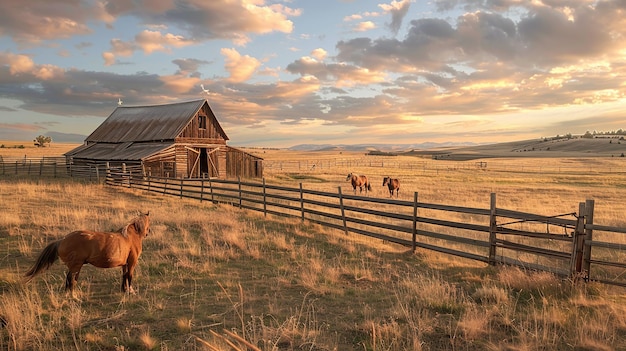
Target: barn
x: 176, y: 140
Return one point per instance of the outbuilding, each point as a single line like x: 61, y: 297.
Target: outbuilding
x: 176, y: 140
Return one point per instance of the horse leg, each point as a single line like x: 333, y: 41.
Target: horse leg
x: 127, y: 277
x: 71, y: 278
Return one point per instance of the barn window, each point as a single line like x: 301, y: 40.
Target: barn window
x: 201, y: 122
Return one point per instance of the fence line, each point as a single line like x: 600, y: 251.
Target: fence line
x: 491, y: 235
x: 427, y: 166
x: 55, y: 167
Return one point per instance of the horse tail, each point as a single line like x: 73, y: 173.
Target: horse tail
x: 46, y: 258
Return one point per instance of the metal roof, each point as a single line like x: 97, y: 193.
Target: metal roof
x: 146, y: 123
x: 118, y: 152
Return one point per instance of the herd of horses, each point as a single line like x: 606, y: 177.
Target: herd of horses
x: 361, y: 182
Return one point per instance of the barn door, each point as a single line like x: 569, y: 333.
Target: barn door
x: 193, y: 160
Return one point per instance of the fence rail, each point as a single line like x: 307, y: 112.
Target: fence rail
x: 428, y: 166
x: 492, y: 235
x: 55, y: 167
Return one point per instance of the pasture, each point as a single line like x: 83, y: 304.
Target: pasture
x: 211, y: 273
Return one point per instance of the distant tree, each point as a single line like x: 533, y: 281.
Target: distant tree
x: 588, y: 135
x: 41, y: 141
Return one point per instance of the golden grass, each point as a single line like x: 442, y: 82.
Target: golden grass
x: 281, y: 284
x: 27, y: 149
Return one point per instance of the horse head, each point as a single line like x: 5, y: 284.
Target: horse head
x: 385, y: 180
x: 140, y: 225
x: 349, y: 176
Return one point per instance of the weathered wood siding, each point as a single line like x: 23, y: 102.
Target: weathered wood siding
x: 204, y: 126
x: 242, y: 164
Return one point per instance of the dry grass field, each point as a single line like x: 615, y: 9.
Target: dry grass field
x: 211, y: 275
x: 15, y: 149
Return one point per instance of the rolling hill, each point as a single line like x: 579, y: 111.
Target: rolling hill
x: 563, y: 147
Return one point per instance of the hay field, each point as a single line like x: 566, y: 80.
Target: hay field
x: 13, y: 149
x: 208, y: 271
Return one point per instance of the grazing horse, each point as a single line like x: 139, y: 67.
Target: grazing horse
x: 392, y: 184
x: 103, y: 250
x: 359, y: 181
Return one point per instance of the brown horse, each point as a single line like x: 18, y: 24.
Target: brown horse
x: 392, y: 184
x: 359, y: 181
x: 103, y: 250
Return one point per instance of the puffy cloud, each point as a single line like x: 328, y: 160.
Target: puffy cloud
x: 398, y: 10
x: 241, y: 68
x: 338, y: 74
x: 203, y: 20
x: 24, y: 65
x: 150, y: 41
x: 109, y: 58
x: 364, y: 26
x: 179, y: 84
x: 319, y: 53
x: 41, y: 20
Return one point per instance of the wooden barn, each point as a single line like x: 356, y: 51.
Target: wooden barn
x: 178, y: 140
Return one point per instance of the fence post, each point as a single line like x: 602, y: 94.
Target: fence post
x: 41, y: 166
x: 165, y: 186
x: 201, y: 189
x: 414, y: 241
x: 264, y: 199
x: 239, y: 181
x: 302, y: 202
x: 577, y: 243
x: 108, y: 173
x: 181, y: 188
x: 211, y: 190
x: 343, y: 211
x: 589, y: 206
x: 492, y: 230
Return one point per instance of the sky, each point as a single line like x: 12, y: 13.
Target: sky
x: 284, y: 73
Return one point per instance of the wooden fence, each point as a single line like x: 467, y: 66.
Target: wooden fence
x: 428, y: 166
x: 56, y: 167
x: 569, y: 245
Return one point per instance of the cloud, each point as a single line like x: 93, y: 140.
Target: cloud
x: 179, y: 84
x: 240, y: 68
x: 398, y: 10
x: 319, y: 54
x: 208, y: 20
x: 150, y: 41
x: 364, y: 26
x: 339, y: 74
x: 23, y: 65
x: 189, y: 65
x: 42, y: 20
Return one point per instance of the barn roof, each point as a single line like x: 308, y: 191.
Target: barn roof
x: 118, y: 152
x: 148, y: 123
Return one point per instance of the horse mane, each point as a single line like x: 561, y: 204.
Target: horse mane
x: 138, y: 224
